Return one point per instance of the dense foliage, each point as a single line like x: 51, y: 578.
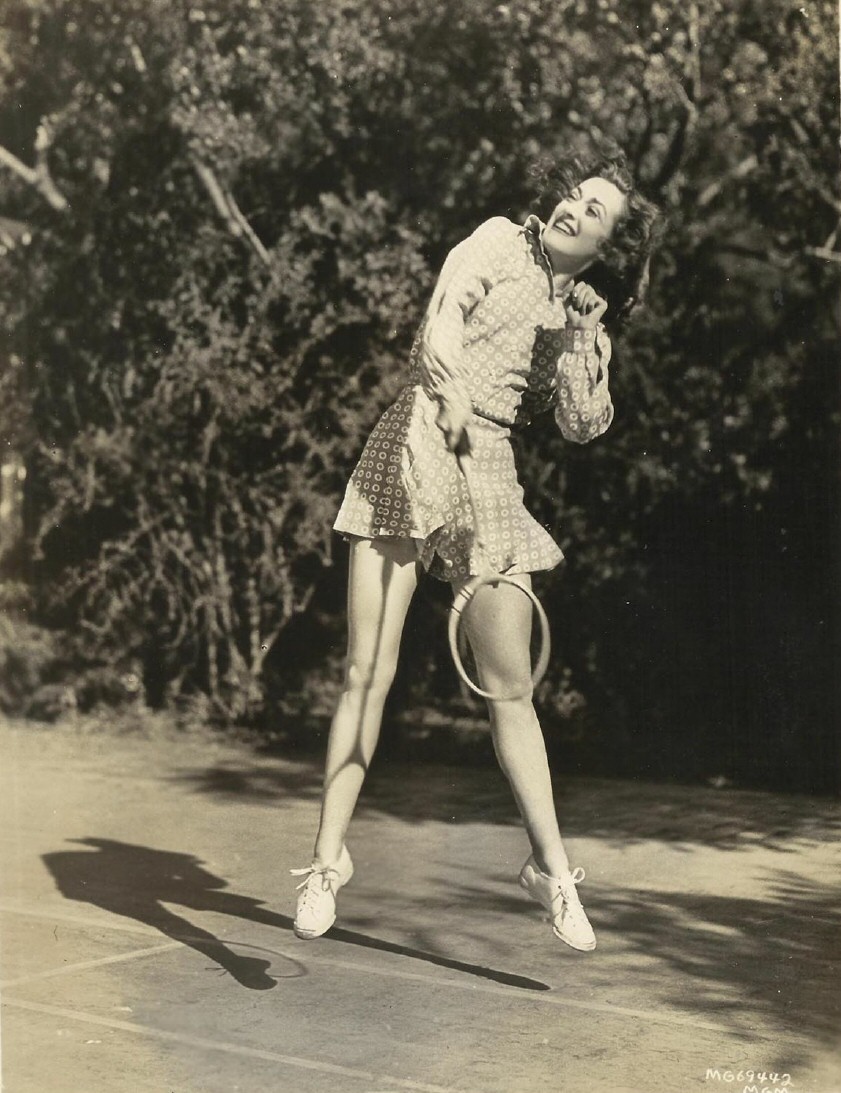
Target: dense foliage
x: 237, y: 209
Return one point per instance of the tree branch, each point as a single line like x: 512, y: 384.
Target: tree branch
x: 644, y: 143
x: 694, y: 53
x: 711, y: 192
x: 39, y: 176
x: 828, y: 197
x: 674, y: 154
x: 829, y: 242
x: 228, y: 209
x: 768, y: 256
x: 690, y: 95
x: 825, y: 253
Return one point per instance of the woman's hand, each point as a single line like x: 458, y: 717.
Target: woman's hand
x: 584, y: 307
x: 441, y: 383
x: 452, y: 419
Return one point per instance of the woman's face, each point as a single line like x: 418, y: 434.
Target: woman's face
x: 581, y: 223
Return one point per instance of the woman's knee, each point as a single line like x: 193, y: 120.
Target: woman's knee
x: 514, y: 712
x: 370, y: 677
x: 498, y: 620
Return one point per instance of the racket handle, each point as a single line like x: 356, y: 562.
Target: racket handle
x: 466, y: 466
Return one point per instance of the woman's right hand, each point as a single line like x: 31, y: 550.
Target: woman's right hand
x: 451, y: 419
x: 584, y: 307
x: 443, y: 384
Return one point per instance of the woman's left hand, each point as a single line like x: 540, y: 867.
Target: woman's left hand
x: 584, y: 307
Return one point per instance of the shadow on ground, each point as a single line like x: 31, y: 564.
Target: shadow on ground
x: 776, y: 956
x: 617, y: 811
x: 749, y: 965
x: 137, y: 881
x: 735, y: 961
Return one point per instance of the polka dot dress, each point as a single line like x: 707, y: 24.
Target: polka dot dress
x: 495, y: 317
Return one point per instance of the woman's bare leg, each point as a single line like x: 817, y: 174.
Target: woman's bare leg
x: 382, y: 580
x: 498, y: 622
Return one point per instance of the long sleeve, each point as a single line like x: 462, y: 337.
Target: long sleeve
x: 584, y: 409
x: 471, y: 269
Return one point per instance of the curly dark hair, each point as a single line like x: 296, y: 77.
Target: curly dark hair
x: 622, y: 270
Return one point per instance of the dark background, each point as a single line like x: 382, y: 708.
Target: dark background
x: 220, y: 224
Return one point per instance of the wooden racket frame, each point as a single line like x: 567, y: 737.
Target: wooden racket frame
x: 489, y: 577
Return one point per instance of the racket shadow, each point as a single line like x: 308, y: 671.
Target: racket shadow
x: 364, y: 941
x: 144, y: 883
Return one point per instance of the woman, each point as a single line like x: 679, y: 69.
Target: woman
x: 510, y: 330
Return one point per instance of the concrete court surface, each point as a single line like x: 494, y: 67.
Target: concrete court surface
x: 147, y: 948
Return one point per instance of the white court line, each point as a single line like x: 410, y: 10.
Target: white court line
x: 544, y: 998
x: 379, y: 1080
x: 468, y: 983
x: 60, y: 915
x: 84, y: 965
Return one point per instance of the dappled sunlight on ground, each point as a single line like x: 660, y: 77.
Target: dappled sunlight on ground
x: 596, y: 808
x: 734, y: 958
x: 716, y: 910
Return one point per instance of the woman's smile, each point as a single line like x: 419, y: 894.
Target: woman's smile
x: 565, y: 223
x: 581, y: 223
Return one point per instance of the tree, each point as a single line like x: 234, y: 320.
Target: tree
x: 249, y: 202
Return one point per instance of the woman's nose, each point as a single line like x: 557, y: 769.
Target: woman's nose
x: 573, y: 215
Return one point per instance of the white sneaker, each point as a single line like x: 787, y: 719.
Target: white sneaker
x: 560, y: 898
x: 316, y: 911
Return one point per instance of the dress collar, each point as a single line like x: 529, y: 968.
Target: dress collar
x: 533, y: 226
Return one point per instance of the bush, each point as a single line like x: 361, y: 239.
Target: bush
x: 29, y: 654
x: 256, y: 197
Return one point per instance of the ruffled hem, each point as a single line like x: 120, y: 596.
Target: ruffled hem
x: 408, y: 485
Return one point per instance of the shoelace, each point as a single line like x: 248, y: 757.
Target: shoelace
x: 568, y: 891
x: 571, y: 910
x: 309, y: 873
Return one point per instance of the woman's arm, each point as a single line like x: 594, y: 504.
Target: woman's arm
x: 584, y: 409
x: 470, y: 271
